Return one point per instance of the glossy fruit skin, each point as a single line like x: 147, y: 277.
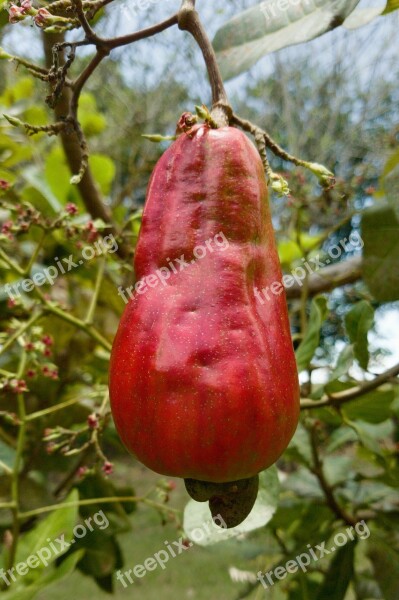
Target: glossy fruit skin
x: 203, y: 380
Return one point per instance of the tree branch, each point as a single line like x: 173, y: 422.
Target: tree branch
x: 88, y: 188
x: 329, y: 278
x: 339, y: 398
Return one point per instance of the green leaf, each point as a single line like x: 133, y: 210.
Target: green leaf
x: 371, y: 494
x: 339, y: 574
x: 301, y: 444
x: 14, y: 150
x: 35, y: 115
x: 388, y: 187
x: 19, y: 591
x: 7, y: 455
x: 375, y: 407
x: 288, y: 252
x: 48, y: 203
x: 391, y: 6
x: 95, y: 486
x: 102, y: 554
x: 22, y: 90
x: 268, y: 27
x: 338, y: 469
x: 358, y: 321
x: 92, y: 121
x: 344, y: 362
x: 369, y: 433
x: 58, y: 174
x: 60, y: 522
x: 340, y: 437
x: 390, y: 165
x: 367, y: 587
x: 303, y: 484
x: 307, y: 347
x: 380, y: 232
x: 197, y: 521
x: 103, y: 169
x: 385, y: 561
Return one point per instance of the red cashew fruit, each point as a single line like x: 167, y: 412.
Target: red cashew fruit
x: 203, y: 380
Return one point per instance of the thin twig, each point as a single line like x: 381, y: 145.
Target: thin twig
x: 15, y: 488
x: 318, y: 471
x: 130, y: 38
x: 339, y: 398
x: 90, y: 501
x: 97, y: 287
x: 325, y: 176
x: 90, y: 34
x: 35, y: 317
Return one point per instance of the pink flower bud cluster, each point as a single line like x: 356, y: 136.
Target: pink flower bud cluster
x: 18, y: 13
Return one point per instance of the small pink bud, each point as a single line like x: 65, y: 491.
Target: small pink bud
x: 93, y: 235
x: 21, y: 386
x: 108, y: 467
x: 47, y: 340
x: 11, y: 418
x: 4, y: 185
x: 41, y: 17
x: 92, y: 421
x: 15, y: 14
x: 6, y: 227
x: 18, y: 386
x: 81, y: 472
x: 54, y: 374
x: 71, y: 208
x: 50, y: 448
x: 26, y: 5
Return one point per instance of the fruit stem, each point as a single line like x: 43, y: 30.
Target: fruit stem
x: 189, y: 20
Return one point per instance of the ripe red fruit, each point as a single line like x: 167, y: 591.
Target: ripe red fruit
x: 203, y: 379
